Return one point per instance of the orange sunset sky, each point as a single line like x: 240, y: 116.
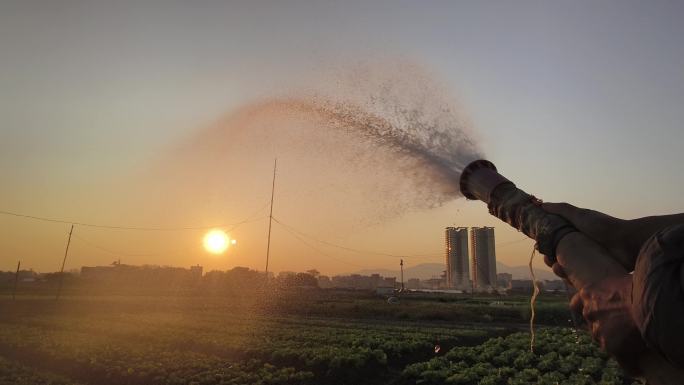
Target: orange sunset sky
x: 144, y: 116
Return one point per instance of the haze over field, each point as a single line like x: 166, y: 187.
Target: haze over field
x: 171, y: 116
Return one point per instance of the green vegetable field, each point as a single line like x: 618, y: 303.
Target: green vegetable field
x: 288, y: 340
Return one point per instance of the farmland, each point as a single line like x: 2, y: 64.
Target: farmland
x: 316, y: 337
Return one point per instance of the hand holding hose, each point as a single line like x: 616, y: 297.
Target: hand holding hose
x: 622, y: 238
x: 607, y: 304
x: 595, y: 253
x: 610, y: 232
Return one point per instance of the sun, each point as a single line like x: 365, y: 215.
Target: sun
x: 217, y: 241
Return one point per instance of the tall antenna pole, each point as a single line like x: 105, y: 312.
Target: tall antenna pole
x: 61, y: 271
x: 16, y: 281
x: 402, y: 274
x: 270, y: 217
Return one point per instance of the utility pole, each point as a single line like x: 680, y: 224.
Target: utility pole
x: 270, y: 217
x: 401, y: 264
x: 61, y: 271
x: 472, y: 283
x: 16, y: 281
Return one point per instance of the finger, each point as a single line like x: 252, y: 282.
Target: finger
x: 596, y: 333
x: 590, y: 311
x: 560, y: 208
x: 582, y: 303
x: 606, y: 230
x: 549, y: 261
x: 567, y: 211
x: 558, y: 270
x: 590, y: 222
x: 576, y: 303
x: 568, y: 283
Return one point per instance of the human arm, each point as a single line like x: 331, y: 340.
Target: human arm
x: 604, y: 298
x: 635, y: 317
x: 623, y: 238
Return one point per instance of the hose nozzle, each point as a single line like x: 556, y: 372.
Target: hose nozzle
x: 481, y: 180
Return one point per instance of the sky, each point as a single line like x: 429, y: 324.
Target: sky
x: 101, y: 103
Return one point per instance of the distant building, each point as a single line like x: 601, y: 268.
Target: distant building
x: 413, y: 284
x: 127, y: 275
x: 433, y: 284
x: 555, y: 285
x: 196, y: 271
x: 457, y: 273
x: 362, y: 282
x: 503, y: 280
x: 483, y: 256
x: 389, y: 282
x: 8, y: 278
x: 286, y: 274
x: 99, y: 273
x: 28, y: 276
x: 524, y: 285
x: 384, y: 290
x: 324, y: 281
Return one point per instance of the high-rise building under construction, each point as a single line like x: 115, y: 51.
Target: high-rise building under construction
x: 457, y: 273
x: 483, y: 256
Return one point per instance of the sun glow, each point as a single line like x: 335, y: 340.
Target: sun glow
x: 217, y: 241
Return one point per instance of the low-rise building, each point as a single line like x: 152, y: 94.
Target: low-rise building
x: 503, y: 280
x: 413, y: 284
x: 521, y: 285
x: 362, y: 282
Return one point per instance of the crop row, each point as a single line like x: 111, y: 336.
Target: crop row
x: 561, y: 356
x: 200, y: 348
x: 12, y: 373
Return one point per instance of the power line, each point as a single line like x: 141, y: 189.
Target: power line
x: 112, y: 252
x: 120, y: 227
x: 118, y: 253
x: 293, y: 234
x: 424, y: 255
x: 349, y: 248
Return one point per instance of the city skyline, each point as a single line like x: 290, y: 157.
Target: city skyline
x: 123, y: 259
x: 471, y: 258
x: 125, y: 274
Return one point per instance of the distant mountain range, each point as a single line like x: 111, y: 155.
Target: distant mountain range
x: 433, y: 270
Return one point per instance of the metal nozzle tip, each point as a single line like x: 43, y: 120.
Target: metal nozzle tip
x: 468, y: 170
